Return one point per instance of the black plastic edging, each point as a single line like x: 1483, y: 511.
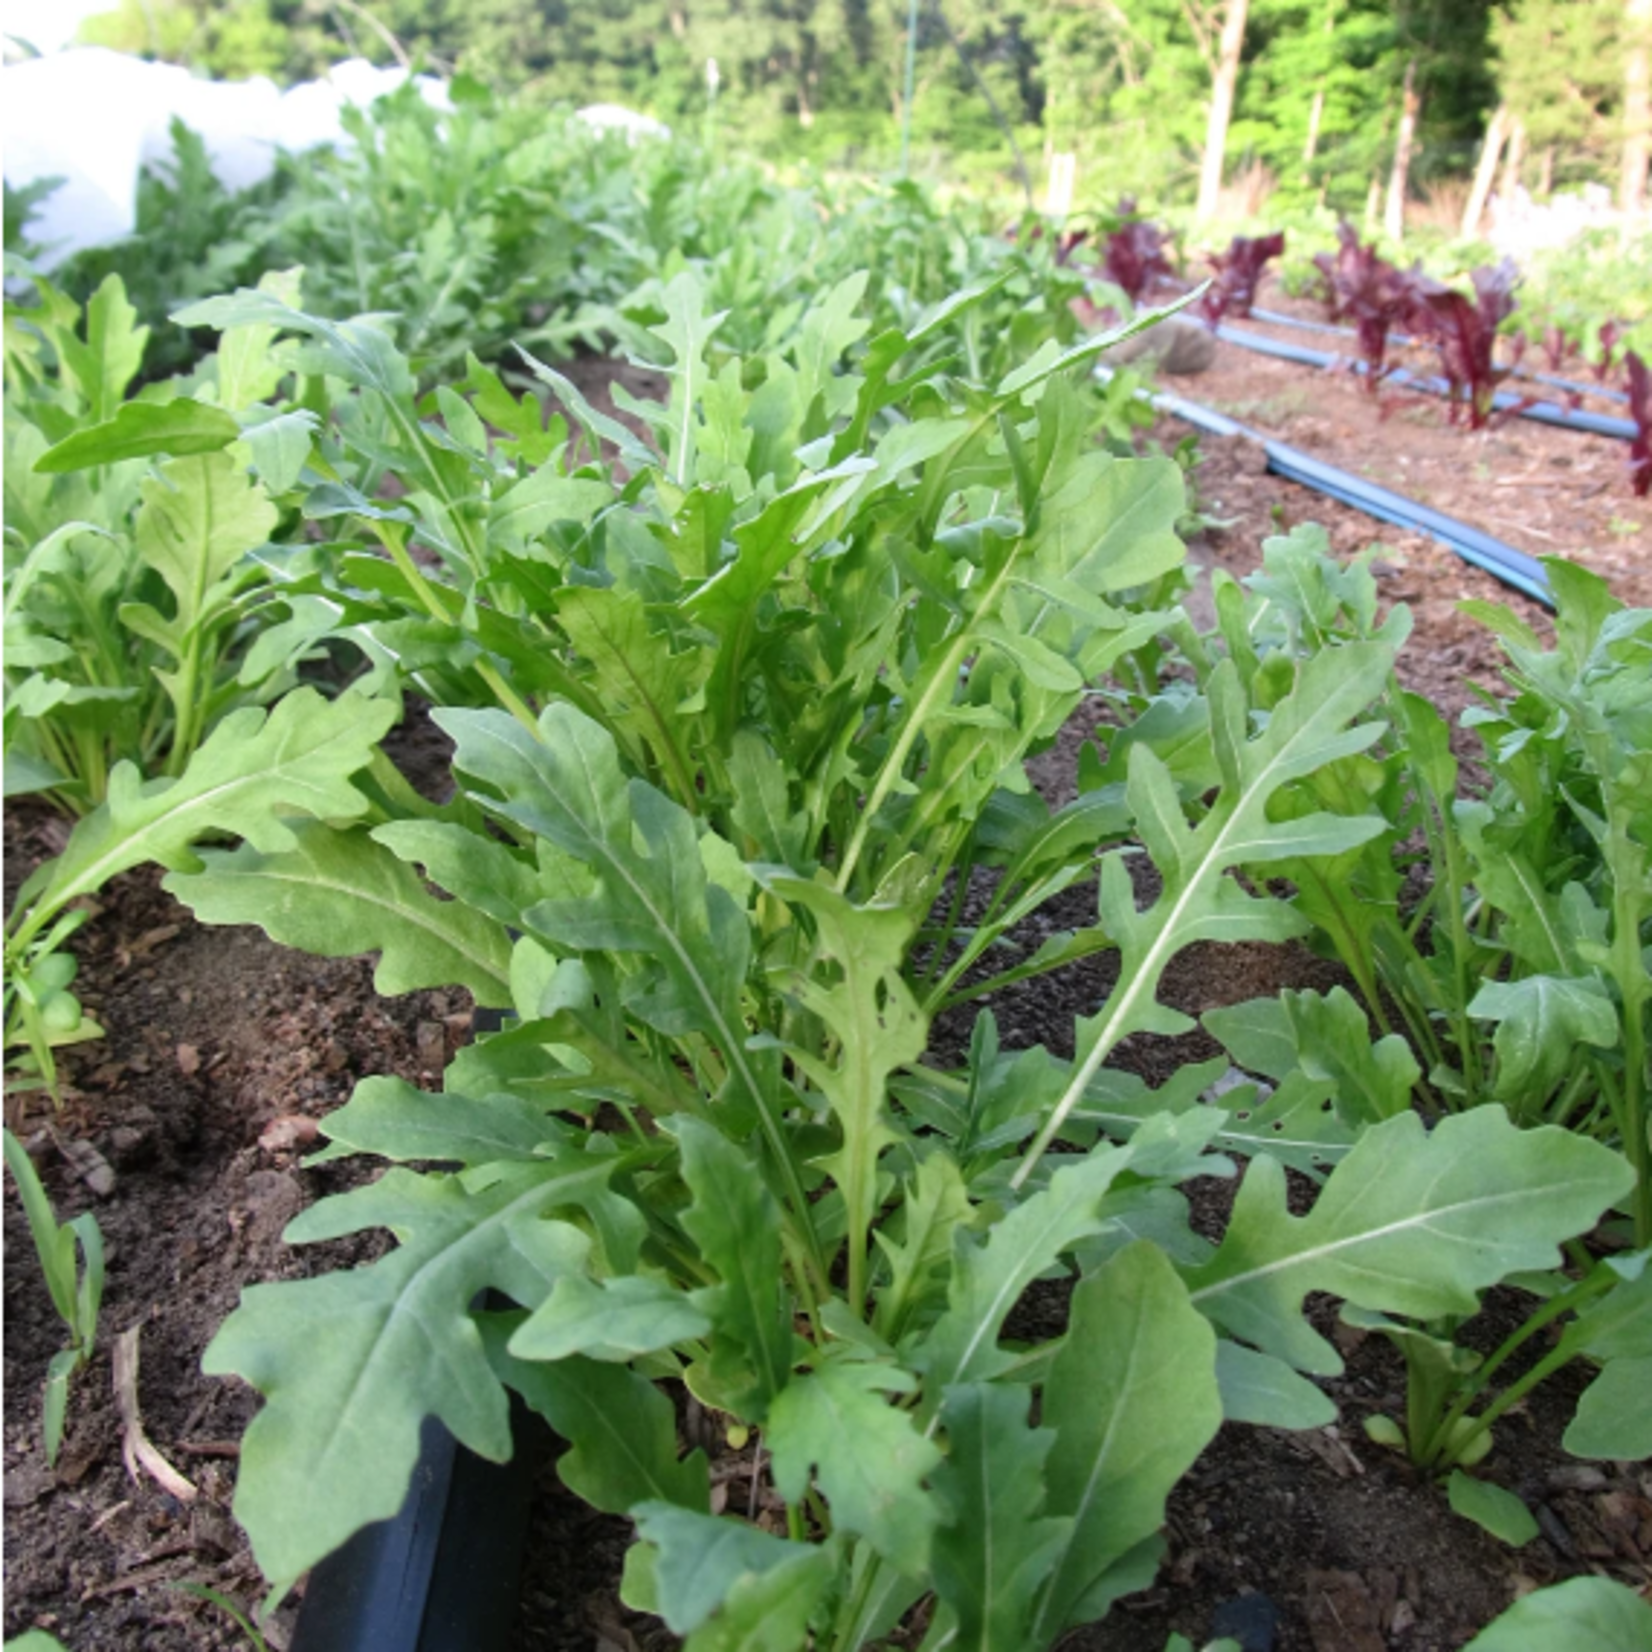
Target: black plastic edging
x: 444, y: 1574
x: 1276, y: 318
x: 1595, y: 424
x: 1514, y: 568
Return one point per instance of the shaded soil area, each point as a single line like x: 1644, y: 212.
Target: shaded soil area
x: 223, y: 1049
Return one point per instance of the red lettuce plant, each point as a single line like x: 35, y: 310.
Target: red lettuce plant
x: 1610, y: 332
x: 1640, y: 410
x: 1367, y: 290
x: 1559, y: 347
x: 1464, y: 331
x: 1135, y: 257
x: 1238, y: 274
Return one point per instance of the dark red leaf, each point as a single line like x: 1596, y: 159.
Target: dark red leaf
x: 1135, y: 256
x: 1640, y: 410
x: 1370, y: 292
x: 1610, y: 332
x: 1464, y: 332
x: 1238, y: 274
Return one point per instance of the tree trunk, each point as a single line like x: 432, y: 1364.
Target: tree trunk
x: 1475, y: 206
x: 1515, y: 163
x: 1316, y: 112
x: 1373, y: 203
x: 1221, y: 107
x: 1394, y: 214
x: 1637, y: 105
x: 1545, y: 173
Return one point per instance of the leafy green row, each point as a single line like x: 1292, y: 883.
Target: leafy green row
x: 741, y: 715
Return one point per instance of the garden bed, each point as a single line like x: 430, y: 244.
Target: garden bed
x: 220, y: 1043
x: 1543, y: 490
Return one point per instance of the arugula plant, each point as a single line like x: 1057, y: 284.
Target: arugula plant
x: 191, y: 237
x: 1518, y: 978
x: 76, y: 1293
x: 140, y: 594
x: 753, y: 703
x: 144, y: 600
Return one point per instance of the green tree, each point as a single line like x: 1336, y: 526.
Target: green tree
x: 1561, y: 72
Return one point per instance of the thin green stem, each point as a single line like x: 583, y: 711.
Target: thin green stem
x: 942, y: 681
x: 1473, y: 1386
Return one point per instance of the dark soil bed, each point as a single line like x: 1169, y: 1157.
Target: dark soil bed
x: 223, y: 1049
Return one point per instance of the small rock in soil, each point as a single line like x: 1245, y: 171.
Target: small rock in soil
x: 27, y: 1485
x: 212, y: 1531
x: 287, y: 1132
x: 1252, y: 1620
x: 1342, y: 1616
x: 90, y: 1166
x: 1576, y: 1477
x: 127, y: 1146
x: 431, y: 1042
x: 271, y: 1200
x: 1554, y: 1528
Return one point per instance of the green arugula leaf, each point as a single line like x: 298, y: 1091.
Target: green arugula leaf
x: 1257, y: 1388
x: 1613, y: 1419
x: 868, y: 1456
x: 878, y: 1028
x: 702, y: 1560
x: 1371, y: 1082
x: 736, y: 1224
x: 101, y: 366
x: 620, y: 1428
x: 1541, y: 1019
x: 351, y: 1363
x: 338, y: 894
x: 613, y: 1320
x: 1199, y: 901
x: 1489, y: 1506
x: 1132, y: 1399
x: 769, y: 1611
x: 251, y: 772
x: 1592, y: 1612
x: 989, y: 1276
x: 935, y: 1208
x: 995, y: 1552
x: 653, y: 897
x: 1411, y: 1222
x: 141, y: 429
x: 279, y: 447
x: 391, y: 1118
x: 200, y: 516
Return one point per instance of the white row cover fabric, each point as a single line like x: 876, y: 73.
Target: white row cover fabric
x: 1523, y: 228
x: 95, y: 118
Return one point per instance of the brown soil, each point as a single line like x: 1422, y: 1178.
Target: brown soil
x: 1543, y: 490
x: 215, y: 1035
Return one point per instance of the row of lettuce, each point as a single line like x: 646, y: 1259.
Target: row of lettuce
x: 741, y: 710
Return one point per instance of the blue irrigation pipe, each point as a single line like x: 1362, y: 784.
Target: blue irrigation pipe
x: 1514, y: 568
x: 1275, y: 318
x: 1594, y: 424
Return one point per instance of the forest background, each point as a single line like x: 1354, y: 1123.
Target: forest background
x: 1311, y: 99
